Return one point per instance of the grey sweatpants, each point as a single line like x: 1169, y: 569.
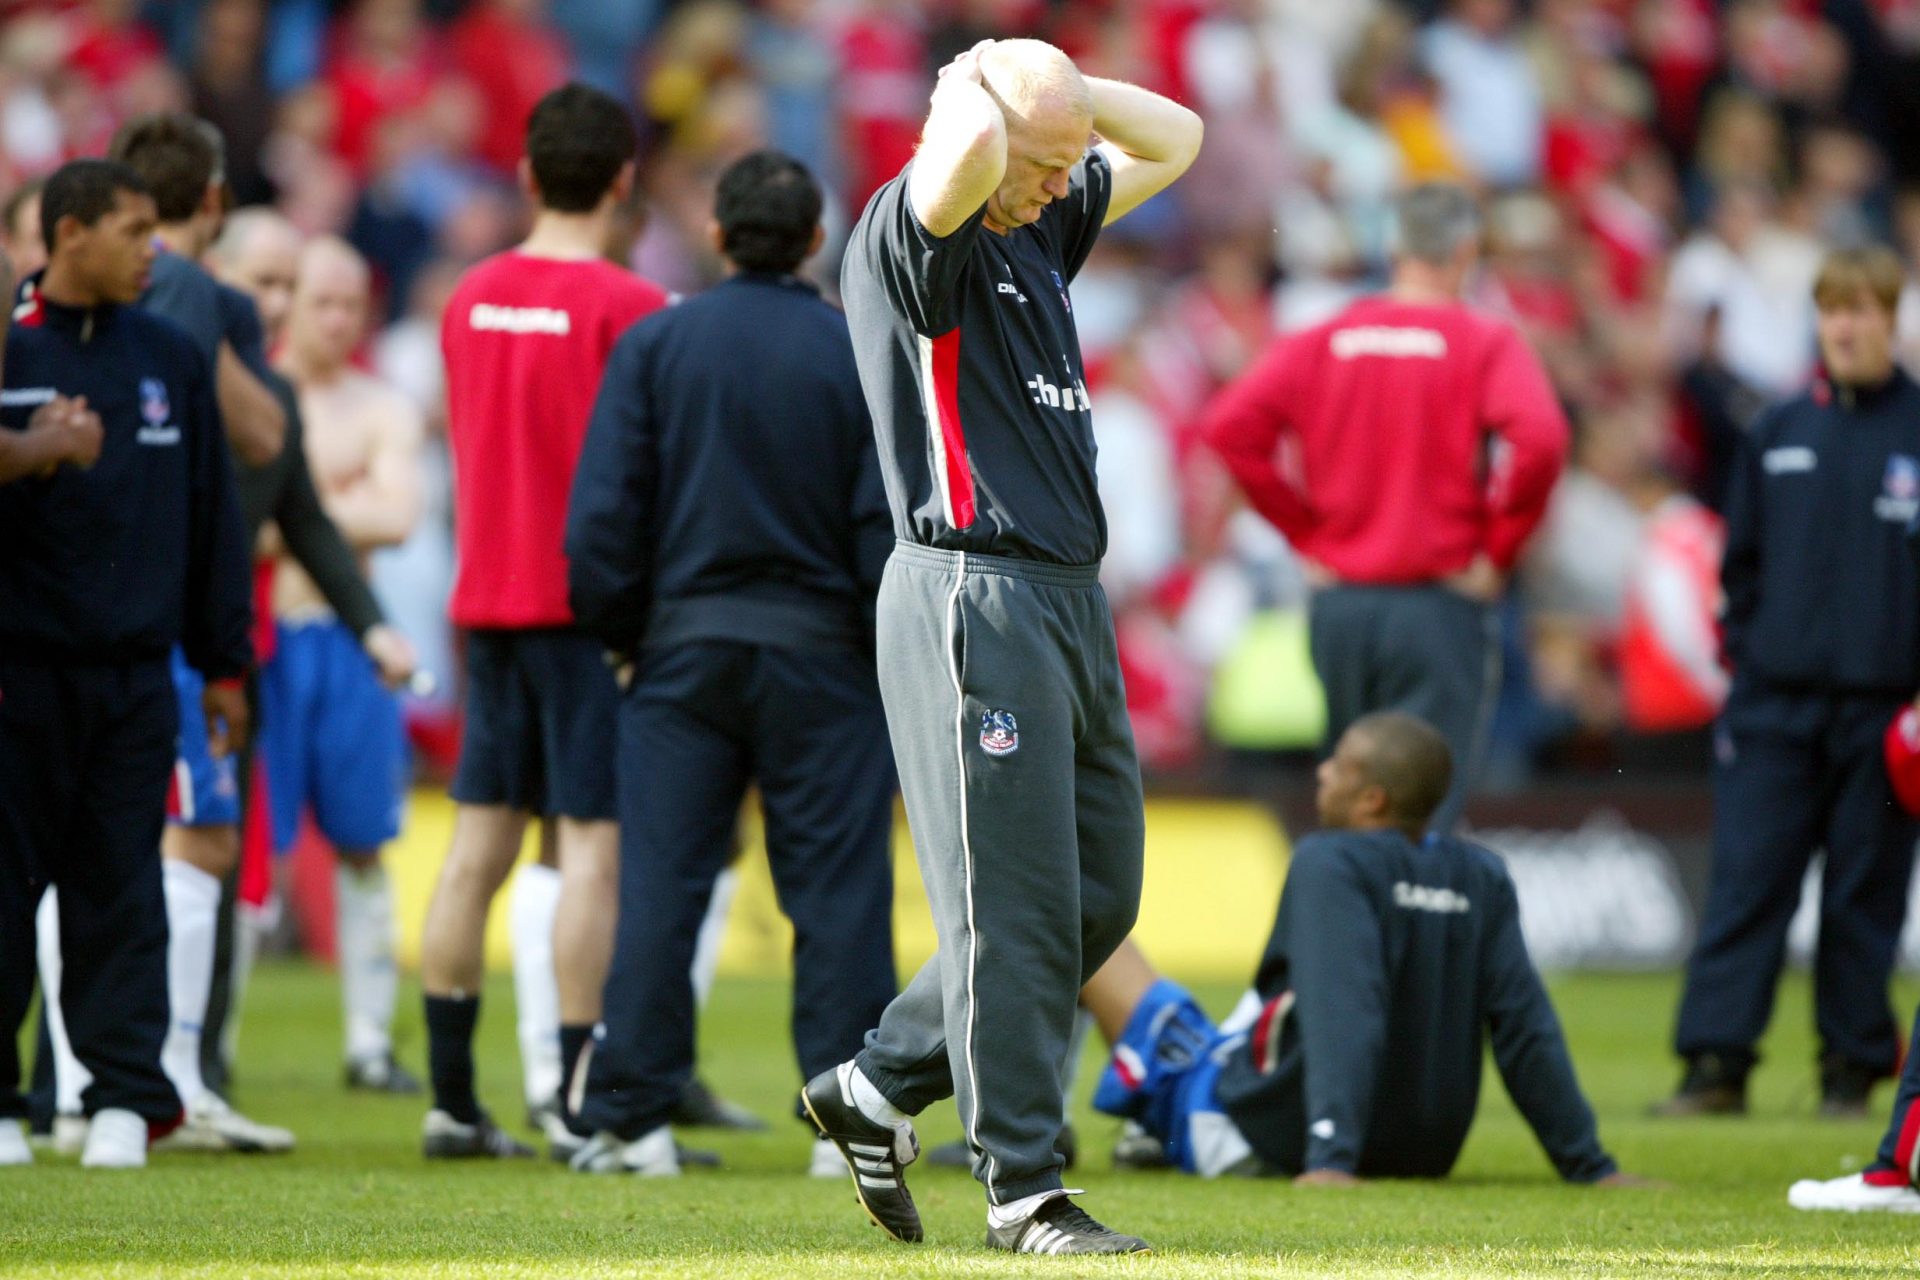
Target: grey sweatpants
x: 1424, y: 650
x: 1009, y: 724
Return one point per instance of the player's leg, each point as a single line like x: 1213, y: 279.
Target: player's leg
x: 1863, y: 904
x: 199, y: 847
x: 1437, y: 656
x: 486, y: 841
x: 39, y: 774
x: 826, y: 784
x: 497, y: 784
x: 686, y: 777
x: 1888, y: 1185
x: 1767, y: 819
x: 360, y: 766
x: 576, y: 703
x: 113, y: 922
x: 1015, y: 897
x: 531, y: 900
x: 1160, y: 1039
x: 1341, y: 628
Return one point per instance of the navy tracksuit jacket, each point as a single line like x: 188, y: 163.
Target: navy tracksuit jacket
x: 727, y: 530
x: 102, y: 572
x: 1822, y: 629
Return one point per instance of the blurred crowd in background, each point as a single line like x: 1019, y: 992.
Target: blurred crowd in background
x: 1660, y: 178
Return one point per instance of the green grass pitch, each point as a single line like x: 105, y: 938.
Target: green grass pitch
x: 357, y: 1200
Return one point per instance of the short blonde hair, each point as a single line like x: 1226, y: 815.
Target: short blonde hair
x: 1874, y: 270
x: 1029, y: 76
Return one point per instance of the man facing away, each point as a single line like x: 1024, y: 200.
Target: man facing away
x: 726, y: 537
x: 1395, y: 958
x: 995, y: 644
x: 1407, y: 449
x: 333, y: 738
x: 526, y: 335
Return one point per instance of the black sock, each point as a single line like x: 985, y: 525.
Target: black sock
x: 450, y: 1023
x: 574, y: 1038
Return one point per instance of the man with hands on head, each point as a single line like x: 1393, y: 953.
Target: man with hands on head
x: 996, y: 649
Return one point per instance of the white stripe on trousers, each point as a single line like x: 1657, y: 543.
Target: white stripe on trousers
x: 966, y: 855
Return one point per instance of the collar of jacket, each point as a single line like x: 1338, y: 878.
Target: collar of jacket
x: 779, y: 279
x: 1861, y: 397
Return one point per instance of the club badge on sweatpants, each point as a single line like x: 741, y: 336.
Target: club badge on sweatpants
x: 999, y: 735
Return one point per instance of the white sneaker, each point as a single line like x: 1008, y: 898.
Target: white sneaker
x: 116, y: 1139
x: 69, y: 1134
x: 652, y: 1155
x: 827, y: 1161
x: 1853, y: 1194
x: 13, y: 1144
x: 213, y: 1125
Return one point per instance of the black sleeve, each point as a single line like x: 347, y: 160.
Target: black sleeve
x: 216, y: 633
x: 1740, y: 565
x: 312, y: 538
x: 1074, y: 223
x: 1532, y: 1054
x: 1338, y: 967
x: 610, y: 514
x: 919, y: 271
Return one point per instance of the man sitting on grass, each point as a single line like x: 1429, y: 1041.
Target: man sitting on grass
x: 1395, y: 955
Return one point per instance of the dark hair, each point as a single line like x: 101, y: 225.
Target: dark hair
x: 1408, y: 759
x: 22, y: 194
x: 179, y: 155
x: 87, y: 190
x: 767, y: 206
x: 577, y: 140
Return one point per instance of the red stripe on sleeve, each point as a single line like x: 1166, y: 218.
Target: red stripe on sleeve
x: 953, y: 437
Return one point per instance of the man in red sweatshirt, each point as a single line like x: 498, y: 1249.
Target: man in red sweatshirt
x: 1406, y: 448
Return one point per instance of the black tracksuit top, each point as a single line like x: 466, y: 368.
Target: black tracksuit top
x: 145, y: 550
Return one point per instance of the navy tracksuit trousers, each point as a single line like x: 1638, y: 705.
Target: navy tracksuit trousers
x: 701, y: 722
x: 85, y: 755
x: 1798, y: 772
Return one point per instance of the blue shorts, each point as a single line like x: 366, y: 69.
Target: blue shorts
x: 332, y: 739
x: 540, y: 730
x: 1162, y: 1076
x: 205, y: 791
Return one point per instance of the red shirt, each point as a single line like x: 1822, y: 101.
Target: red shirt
x: 1396, y: 442
x: 525, y: 340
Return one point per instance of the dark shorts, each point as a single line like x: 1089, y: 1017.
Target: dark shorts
x: 540, y: 729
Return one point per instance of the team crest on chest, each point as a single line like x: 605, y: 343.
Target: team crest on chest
x: 1899, y: 499
x: 154, y: 406
x: 999, y: 735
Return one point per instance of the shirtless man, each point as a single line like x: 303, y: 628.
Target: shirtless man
x: 333, y: 738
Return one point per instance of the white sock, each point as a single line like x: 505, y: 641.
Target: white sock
x: 369, y: 983
x: 193, y: 911
x: 713, y: 929
x: 869, y: 1101
x: 70, y: 1078
x: 536, y: 998
x: 1007, y: 1214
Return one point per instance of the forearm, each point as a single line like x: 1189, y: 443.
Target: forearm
x: 1142, y: 123
x: 256, y: 424
x: 24, y: 453
x: 316, y: 545
x: 962, y: 156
